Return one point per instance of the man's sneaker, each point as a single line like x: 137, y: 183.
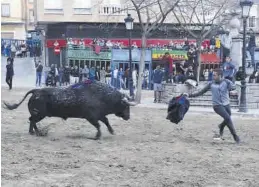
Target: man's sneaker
x: 218, y: 137
x: 237, y: 139
x: 155, y: 101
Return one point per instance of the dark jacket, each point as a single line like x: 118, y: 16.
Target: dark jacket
x: 251, y: 42
x: 177, y: 108
x: 212, y: 41
x: 75, y: 72
x: 39, y: 68
x: 9, y: 70
x: 158, y: 76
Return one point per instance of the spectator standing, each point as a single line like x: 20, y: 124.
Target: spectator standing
x: 108, y: 75
x: 85, y: 73
x: 212, y: 43
x: 157, y: 80
x: 167, y: 60
x: 102, y: 75
x: 9, y: 73
x: 39, y: 70
x: 67, y: 72
x: 251, y: 47
x: 115, y: 77
x: 97, y: 73
x: 92, y: 73
x: 229, y: 69
x: 226, y: 42
x: 13, y: 50
x: 75, y: 74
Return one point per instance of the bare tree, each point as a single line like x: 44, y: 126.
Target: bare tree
x: 203, y: 15
x: 151, y: 15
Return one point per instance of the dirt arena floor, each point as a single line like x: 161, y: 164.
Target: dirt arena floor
x: 147, y: 151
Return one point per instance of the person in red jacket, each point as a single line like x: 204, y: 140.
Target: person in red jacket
x: 167, y: 60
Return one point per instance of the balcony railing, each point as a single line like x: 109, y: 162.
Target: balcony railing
x: 112, y: 10
x: 78, y: 53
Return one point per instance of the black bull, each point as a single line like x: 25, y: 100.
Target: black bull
x: 91, y: 101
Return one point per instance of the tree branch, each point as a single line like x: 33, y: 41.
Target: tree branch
x: 138, y: 12
x: 162, y: 17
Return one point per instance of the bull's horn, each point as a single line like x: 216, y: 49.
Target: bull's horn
x: 129, y: 103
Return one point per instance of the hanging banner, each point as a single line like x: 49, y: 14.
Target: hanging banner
x: 175, y: 54
x: 85, y: 54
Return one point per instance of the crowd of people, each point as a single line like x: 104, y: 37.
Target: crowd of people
x: 177, y: 72
x: 62, y: 76
x: 20, y: 49
x: 208, y: 46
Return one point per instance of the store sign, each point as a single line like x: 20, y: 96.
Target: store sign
x: 84, y: 54
x: 123, y: 55
x: 57, y: 50
x: 175, y: 54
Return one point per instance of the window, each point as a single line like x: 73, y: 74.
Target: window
x: 82, y: 6
x: 112, y: 7
x: 5, y: 10
x: 112, y: 10
x: 30, y: 1
x: 251, y: 22
x: 53, y: 7
x: 31, y: 16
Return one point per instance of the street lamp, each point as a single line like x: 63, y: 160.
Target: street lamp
x: 129, y: 26
x: 245, y: 5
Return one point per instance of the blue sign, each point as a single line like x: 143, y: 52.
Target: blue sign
x: 122, y: 55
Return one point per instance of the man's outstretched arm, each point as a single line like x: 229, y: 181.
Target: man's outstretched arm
x: 201, y: 92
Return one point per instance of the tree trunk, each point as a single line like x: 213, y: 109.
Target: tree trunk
x: 198, y: 60
x: 141, y: 68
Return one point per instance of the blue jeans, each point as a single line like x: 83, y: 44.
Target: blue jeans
x: 38, y: 78
x: 225, y: 113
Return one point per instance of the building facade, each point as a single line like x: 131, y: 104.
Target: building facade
x: 81, y: 19
x: 16, y: 18
x: 89, y: 19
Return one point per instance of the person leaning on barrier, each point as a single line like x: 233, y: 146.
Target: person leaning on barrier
x: 220, y: 88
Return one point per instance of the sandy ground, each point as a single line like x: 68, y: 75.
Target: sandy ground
x: 146, y: 151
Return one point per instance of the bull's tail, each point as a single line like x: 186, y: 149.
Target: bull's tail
x: 14, y: 106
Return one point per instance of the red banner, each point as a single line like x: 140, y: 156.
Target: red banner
x: 125, y: 42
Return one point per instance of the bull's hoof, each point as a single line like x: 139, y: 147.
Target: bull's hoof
x: 112, y: 132
x: 97, y: 138
x: 39, y: 133
x: 98, y: 135
x: 31, y: 132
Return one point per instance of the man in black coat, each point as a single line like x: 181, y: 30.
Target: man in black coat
x: 9, y: 73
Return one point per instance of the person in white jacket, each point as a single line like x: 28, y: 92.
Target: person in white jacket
x: 134, y: 78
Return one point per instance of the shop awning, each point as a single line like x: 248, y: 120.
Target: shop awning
x: 210, y: 58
